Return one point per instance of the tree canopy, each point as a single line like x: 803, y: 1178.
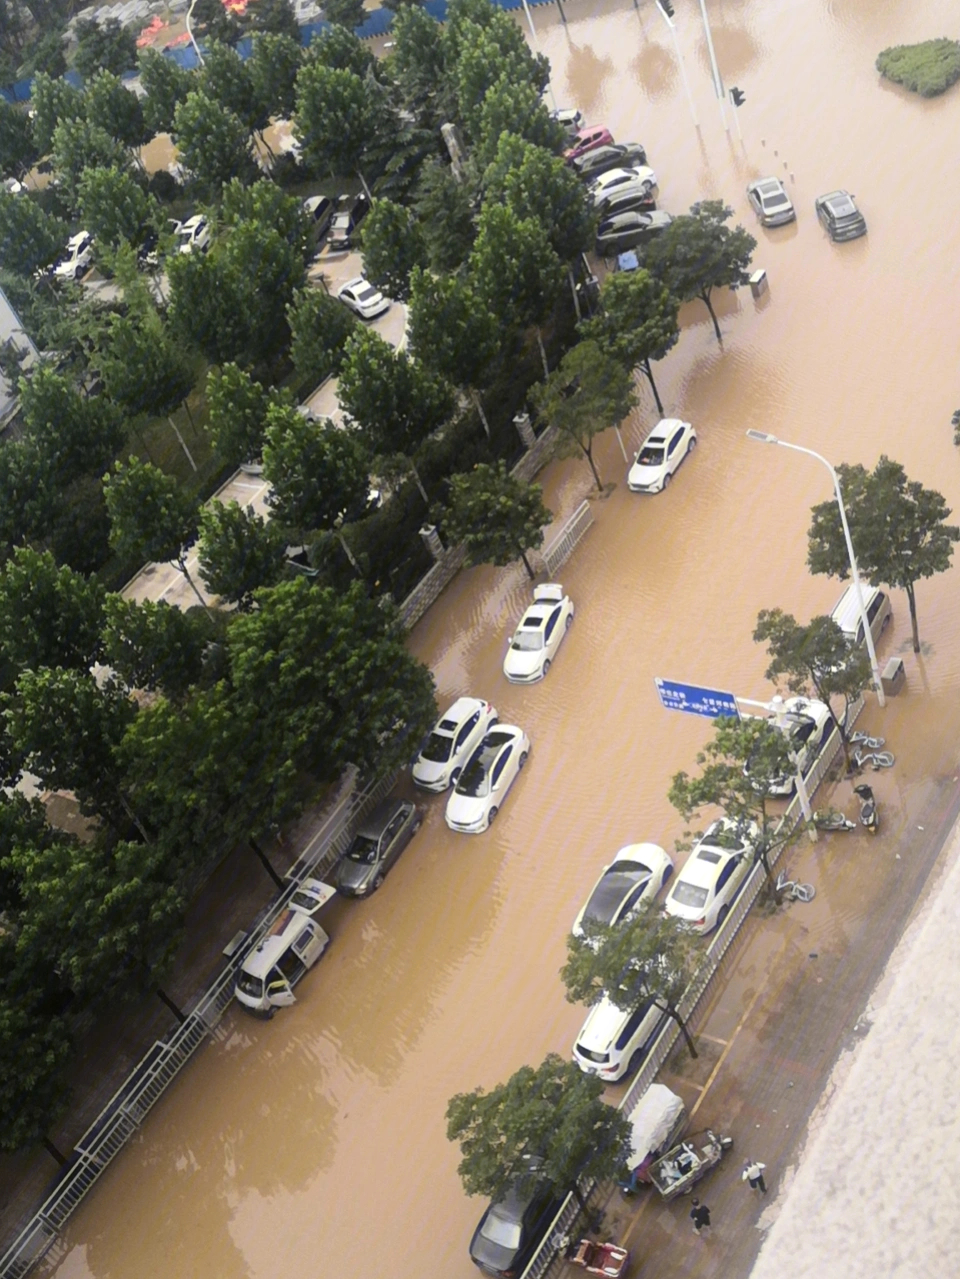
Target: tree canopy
x: 499, y: 517
x: 636, y: 323
x: 317, y: 471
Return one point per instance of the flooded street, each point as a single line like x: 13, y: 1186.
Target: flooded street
x: 315, y: 1143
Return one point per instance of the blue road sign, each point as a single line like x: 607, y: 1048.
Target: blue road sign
x: 696, y: 700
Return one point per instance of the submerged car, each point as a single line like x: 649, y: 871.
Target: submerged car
x: 713, y: 874
x: 382, y: 837
x: 660, y: 454
x: 513, y: 1227
x: 636, y: 874
x: 770, y: 202
x: 539, y: 634
x: 840, y: 216
x: 456, y: 735
x: 806, y: 723
x: 363, y: 299
x: 601, y: 159
x: 584, y: 140
x: 604, y: 186
x: 484, y: 783
x: 627, y: 230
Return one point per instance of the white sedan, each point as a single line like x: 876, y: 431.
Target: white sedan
x: 77, y: 259
x: 484, y: 783
x: 660, y: 455
x: 456, y: 735
x: 806, y: 723
x: 607, y: 183
x: 636, y: 874
x: 361, y: 297
x: 714, y: 873
x: 534, y: 643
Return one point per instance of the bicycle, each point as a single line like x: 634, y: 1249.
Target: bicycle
x: 877, y: 759
x: 859, y: 738
x: 793, y: 891
x: 832, y: 819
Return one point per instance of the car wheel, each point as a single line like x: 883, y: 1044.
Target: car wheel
x: 546, y: 666
x: 722, y: 914
x: 522, y: 760
x: 377, y: 883
x: 492, y: 817
x: 666, y: 482
x: 692, y: 445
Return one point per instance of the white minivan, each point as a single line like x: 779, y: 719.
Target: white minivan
x: 846, y: 613
x: 613, y: 1043
x: 272, y: 969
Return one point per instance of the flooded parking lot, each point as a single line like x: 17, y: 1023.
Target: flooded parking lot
x: 317, y: 1141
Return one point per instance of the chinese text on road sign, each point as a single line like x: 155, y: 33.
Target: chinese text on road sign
x: 696, y: 700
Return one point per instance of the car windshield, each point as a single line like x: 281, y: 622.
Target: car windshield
x: 341, y: 221
x: 527, y: 641
x: 501, y: 1230
x: 650, y: 455
x: 252, y: 986
x: 438, y: 748
x: 363, y: 849
x: 366, y: 294
x: 690, y: 895
x: 775, y: 199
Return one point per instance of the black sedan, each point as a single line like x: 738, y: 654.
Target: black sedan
x: 627, y: 230
x: 601, y: 159
x: 382, y: 837
x: 511, y: 1229
x: 839, y: 215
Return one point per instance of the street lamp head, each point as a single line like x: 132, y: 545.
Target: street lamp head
x: 762, y: 437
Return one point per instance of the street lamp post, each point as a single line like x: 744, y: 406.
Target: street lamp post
x: 717, y: 82
x: 763, y: 438
x: 683, y: 70
x: 196, y: 47
x: 536, y: 45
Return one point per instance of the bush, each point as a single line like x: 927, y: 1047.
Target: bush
x: 928, y: 68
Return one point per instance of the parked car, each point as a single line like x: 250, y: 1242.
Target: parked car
x: 539, y: 634
x: 660, y: 454
x: 272, y: 969
x: 770, y: 202
x: 194, y: 234
x: 456, y: 735
x: 627, y: 230
x: 877, y: 606
x: 361, y: 297
x: 569, y: 119
x: 607, y: 183
x: 351, y: 210
x: 319, y: 211
x: 486, y: 779
x: 713, y: 874
x: 382, y: 837
x: 592, y: 163
x: 806, y: 723
x: 77, y: 257
x: 311, y: 895
x: 513, y: 1227
x: 631, y: 197
x: 613, y: 1043
x: 840, y: 216
x: 586, y: 139
x: 636, y: 874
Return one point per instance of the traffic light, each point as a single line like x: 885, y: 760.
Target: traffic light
x: 737, y: 97
x: 666, y: 7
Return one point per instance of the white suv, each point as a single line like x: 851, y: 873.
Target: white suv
x: 78, y: 258
x: 455, y: 737
x: 613, y: 1043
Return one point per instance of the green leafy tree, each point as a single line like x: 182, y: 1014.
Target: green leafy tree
x: 226, y: 79
x: 236, y: 413
x: 78, y: 146
x: 29, y: 237
x: 70, y: 433
x: 44, y: 54
x: 53, y: 100
x: 216, y: 22
x: 18, y: 147
x: 337, y: 118
x: 167, y: 85
x: 394, y: 399
x: 104, y: 46
x: 445, y: 212
x: 899, y: 531
x: 115, y: 109
x: 317, y: 471
x: 151, y: 517
x: 697, y: 253
x: 240, y: 552
x: 345, y: 13
x: 636, y: 324
x: 515, y: 269
x: 264, y: 203
x: 393, y: 245
x: 586, y: 395
x: 534, y: 183
x: 517, y: 109
x: 548, y: 1123
x: 274, y: 64
x: 154, y: 646
x: 114, y: 207
x: 742, y: 797
x: 647, y: 956
x: 453, y: 332
x: 814, y: 660
x: 338, y: 47
x: 214, y: 144
x: 319, y: 328
x: 497, y: 516
x: 49, y: 615
x: 418, y: 64
x: 35, y: 1047
x: 277, y: 18
x: 485, y: 54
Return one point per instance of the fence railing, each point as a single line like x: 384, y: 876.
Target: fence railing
x: 568, y: 538
x: 145, y: 1085
x: 721, y: 942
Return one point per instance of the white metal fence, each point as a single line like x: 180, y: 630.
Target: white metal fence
x: 569, y: 536
x: 723, y: 938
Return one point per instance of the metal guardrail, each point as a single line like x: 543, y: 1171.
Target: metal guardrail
x: 723, y: 938
x: 145, y: 1085
x: 568, y: 538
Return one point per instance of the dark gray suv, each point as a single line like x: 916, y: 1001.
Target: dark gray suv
x: 382, y: 837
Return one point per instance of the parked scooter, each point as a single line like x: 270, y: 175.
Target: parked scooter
x: 869, y: 813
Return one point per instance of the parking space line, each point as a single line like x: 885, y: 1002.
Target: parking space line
x: 723, y: 1056
x: 712, y: 1039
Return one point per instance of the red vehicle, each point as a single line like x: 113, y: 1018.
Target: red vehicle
x: 594, y: 135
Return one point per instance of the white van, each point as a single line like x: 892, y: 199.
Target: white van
x: 613, y: 1043
x: 846, y: 612
x: 272, y: 969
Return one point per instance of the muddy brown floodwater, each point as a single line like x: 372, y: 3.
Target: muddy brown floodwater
x: 315, y: 1144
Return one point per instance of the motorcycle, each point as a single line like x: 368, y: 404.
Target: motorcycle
x: 869, y: 813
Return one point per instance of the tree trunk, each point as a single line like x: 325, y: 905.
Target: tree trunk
x: 588, y: 454
x: 165, y: 999
x: 526, y: 565
x: 543, y: 354
x: 183, y: 443
x: 265, y: 861
x: 709, y: 305
x: 182, y: 566
x: 52, y: 1151
x: 475, y: 396
x: 653, y: 386
x: 348, y: 553
x: 912, y: 598
x: 363, y: 183
x: 573, y: 289
x: 186, y: 409
x: 416, y: 476
x: 688, y: 1038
